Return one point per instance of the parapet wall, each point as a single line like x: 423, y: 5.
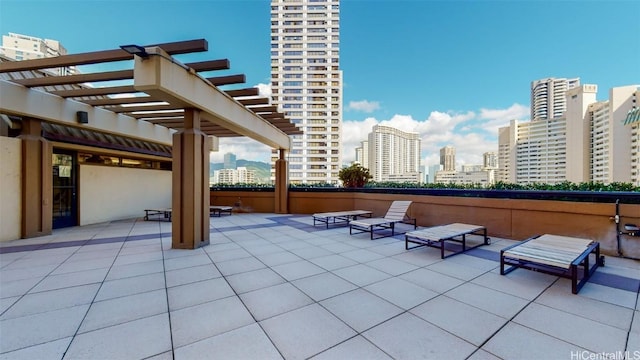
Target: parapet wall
x: 516, y: 219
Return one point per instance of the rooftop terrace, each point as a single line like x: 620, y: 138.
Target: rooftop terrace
x: 273, y: 286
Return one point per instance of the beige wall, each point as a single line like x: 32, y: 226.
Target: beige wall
x: 10, y: 188
x: 112, y: 193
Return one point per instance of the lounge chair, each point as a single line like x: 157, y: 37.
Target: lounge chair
x: 438, y: 236
x: 157, y: 214
x: 555, y: 255
x: 217, y: 210
x: 339, y: 217
x: 397, y: 213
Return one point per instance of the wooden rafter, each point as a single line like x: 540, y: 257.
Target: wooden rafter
x: 125, y: 89
x: 243, y: 92
x: 121, y: 100
x: 173, y: 48
x: 145, y: 108
x: 255, y: 101
x: 227, y: 80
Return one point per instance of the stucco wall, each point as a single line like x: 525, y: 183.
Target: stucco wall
x: 112, y: 193
x: 10, y: 188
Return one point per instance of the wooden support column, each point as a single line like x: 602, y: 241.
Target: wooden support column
x: 37, y: 177
x: 282, y: 185
x: 190, y: 185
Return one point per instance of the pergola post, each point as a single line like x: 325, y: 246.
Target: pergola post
x: 190, y: 185
x: 282, y: 185
x: 37, y: 177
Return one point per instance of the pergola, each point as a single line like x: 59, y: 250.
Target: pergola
x: 166, y: 102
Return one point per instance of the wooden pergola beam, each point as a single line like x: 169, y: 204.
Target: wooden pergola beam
x: 263, y: 109
x: 227, y: 80
x: 167, y: 114
x: 149, y: 108
x: 125, y: 89
x: 76, y: 79
x: 243, y: 92
x: 119, y: 101
x: 172, y: 48
x: 211, y: 65
x: 256, y: 101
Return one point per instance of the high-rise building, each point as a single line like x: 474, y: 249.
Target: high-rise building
x: 393, y: 154
x: 448, y: 158
x: 234, y: 176
x: 535, y: 151
x: 25, y: 47
x: 362, y: 153
x: 490, y: 160
x: 433, y: 170
x: 591, y: 142
x: 229, y: 161
x: 548, y: 99
x: 599, y: 144
x: 306, y: 83
x: 632, y: 122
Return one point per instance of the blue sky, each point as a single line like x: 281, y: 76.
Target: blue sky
x: 454, y: 71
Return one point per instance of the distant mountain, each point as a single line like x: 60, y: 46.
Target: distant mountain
x: 262, y: 169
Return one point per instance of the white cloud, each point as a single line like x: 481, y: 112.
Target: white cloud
x: 364, y: 106
x: 497, y: 118
x: 243, y: 147
x: 441, y: 129
x: 264, y: 90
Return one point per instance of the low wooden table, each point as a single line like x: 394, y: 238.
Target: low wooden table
x: 438, y: 236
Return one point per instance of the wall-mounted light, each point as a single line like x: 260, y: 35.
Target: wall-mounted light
x: 135, y: 50
x: 82, y: 117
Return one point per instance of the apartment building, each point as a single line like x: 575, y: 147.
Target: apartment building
x: 234, y: 176
x: 490, y: 160
x: 599, y: 142
x: 472, y: 177
x: 448, y: 158
x: 362, y: 153
x: 25, y: 47
x: 306, y: 83
x: 591, y: 142
x: 632, y: 122
x: 392, y: 154
x: 548, y: 99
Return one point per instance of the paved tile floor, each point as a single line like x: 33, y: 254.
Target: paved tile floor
x: 273, y: 286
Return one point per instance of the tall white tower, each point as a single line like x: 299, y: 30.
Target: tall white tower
x: 548, y: 99
x: 448, y: 158
x: 393, y: 155
x: 306, y: 83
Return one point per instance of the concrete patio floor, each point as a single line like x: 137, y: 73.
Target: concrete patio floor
x: 273, y: 286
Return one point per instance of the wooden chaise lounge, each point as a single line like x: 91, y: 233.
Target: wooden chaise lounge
x: 555, y: 255
x: 438, y: 236
x: 397, y: 213
x: 339, y: 217
x: 218, y: 210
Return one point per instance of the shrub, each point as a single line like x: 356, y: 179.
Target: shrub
x: 354, y: 176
